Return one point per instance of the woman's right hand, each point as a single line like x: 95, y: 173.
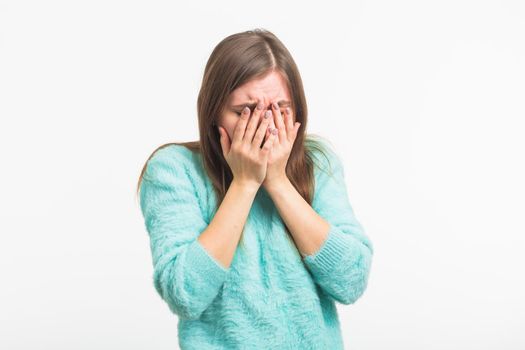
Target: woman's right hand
x: 246, y: 158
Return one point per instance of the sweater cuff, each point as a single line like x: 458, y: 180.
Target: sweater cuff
x: 332, y: 251
x: 201, y: 262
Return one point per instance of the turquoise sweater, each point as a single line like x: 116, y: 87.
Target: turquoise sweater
x: 270, y: 297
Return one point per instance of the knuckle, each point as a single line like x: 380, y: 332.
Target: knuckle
x: 237, y: 147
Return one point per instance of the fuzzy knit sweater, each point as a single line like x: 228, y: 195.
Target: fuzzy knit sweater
x: 271, y: 296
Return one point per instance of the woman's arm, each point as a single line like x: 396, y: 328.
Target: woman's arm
x: 221, y: 237
x: 337, y: 251
x: 190, y: 258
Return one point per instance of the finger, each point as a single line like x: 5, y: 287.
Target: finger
x: 268, y: 132
x: 269, y: 142
x: 225, y: 144
x: 297, y: 125
x: 262, y: 130
x: 252, y: 123
x: 288, y: 121
x: 240, y: 127
x: 279, y: 122
x: 270, y: 127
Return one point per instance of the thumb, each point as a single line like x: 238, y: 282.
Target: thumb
x: 225, y: 141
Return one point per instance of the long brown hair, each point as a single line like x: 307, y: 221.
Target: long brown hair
x: 236, y: 60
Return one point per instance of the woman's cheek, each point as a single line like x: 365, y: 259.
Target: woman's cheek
x: 231, y: 131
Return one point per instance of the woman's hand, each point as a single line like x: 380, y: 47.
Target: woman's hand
x: 282, y: 146
x: 247, y: 160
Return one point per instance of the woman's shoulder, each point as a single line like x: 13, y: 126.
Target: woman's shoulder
x: 322, y: 153
x: 172, y: 158
x: 177, y: 151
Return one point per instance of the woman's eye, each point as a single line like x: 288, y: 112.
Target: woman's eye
x: 239, y: 113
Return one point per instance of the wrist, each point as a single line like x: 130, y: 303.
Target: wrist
x: 277, y: 184
x: 247, y: 186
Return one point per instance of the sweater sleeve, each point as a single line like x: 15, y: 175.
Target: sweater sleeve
x: 342, y: 264
x: 185, y: 274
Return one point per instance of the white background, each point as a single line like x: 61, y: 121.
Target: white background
x: 424, y: 101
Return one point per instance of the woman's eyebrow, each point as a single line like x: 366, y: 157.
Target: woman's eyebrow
x: 252, y: 105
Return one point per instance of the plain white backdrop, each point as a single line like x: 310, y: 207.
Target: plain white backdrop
x: 424, y: 101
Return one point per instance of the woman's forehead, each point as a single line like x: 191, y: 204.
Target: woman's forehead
x: 267, y: 89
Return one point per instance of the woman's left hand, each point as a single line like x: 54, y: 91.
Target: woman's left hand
x: 282, y: 145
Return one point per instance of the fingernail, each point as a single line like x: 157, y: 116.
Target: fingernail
x: 275, y: 105
x: 259, y: 105
x: 267, y: 114
x: 288, y: 110
x: 245, y: 110
x: 274, y: 131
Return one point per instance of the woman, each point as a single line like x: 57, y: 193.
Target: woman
x: 252, y: 236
